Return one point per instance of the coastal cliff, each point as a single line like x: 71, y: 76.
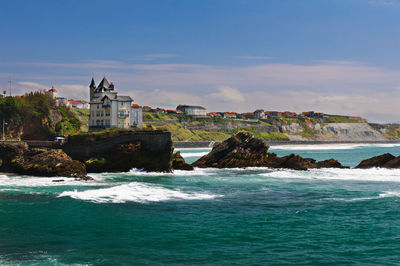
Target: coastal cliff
x: 274, y: 128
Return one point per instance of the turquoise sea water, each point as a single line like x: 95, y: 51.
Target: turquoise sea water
x: 250, y: 216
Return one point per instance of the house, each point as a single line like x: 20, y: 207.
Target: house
x: 79, y: 104
x: 289, y: 114
x: 52, y: 92
x: 229, y: 115
x: 273, y: 113
x: 137, y: 115
x: 108, y: 109
x: 260, y: 114
x: 62, y: 101
x: 214, y: 115
x: 146, y: 108
x: 312, y: 114
x: 159, y: 110
x: 192, y: 110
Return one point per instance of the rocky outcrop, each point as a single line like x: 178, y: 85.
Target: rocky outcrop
x: 386, y: 160
x: 122, y: 150
x: 243, y: 150
x: 178, y: 163
x: 240, y: 150
x: 19, y: 158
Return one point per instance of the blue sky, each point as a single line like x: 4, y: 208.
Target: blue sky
x: 334, y: 56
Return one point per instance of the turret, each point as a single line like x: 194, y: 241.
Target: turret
x: 92, y: 88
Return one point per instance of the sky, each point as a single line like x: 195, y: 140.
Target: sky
x: 331, y: 56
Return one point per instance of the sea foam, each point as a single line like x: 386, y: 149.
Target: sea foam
x: 134, y: 192
x: 32, y: 181
x: 332, y: 146
x: 372, y: 174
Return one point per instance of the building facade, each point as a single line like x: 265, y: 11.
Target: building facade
x: 192, y: 110
x: 108, y: 109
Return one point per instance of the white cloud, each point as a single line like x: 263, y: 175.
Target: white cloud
x: 329, y: 86
x: 228, y: 94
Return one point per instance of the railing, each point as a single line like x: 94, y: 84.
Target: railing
x: 106, y: 106
x: 123, y: 115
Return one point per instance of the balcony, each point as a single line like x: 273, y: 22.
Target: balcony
x: 106, y: 106
x: 123, y: 115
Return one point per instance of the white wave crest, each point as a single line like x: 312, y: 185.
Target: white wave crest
x: 134, y: 192
x: 32, y: 181
x: 193, y: 154
x: 332, y: 146
x: 372, y: 174
x: 195, y: 172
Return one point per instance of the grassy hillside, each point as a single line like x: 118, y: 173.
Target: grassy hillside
x: 35, y: 116
x: 83, y: 116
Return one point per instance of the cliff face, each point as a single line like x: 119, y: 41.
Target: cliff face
x: 333, y: 131
x: 122, y: 150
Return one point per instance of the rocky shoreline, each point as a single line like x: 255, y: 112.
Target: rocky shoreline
x: 243, y: 150
x: 121, y: 151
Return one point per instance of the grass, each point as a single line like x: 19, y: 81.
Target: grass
x: 83, y: 116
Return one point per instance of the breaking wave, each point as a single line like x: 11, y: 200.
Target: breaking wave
x: 134, y: 192
x: 372, y: 174
x: 332, y: 146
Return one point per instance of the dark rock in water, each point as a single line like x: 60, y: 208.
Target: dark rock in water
x: 395, y: 163
x: 178, y: 163
x: 18, y: 158
x: 376, y: 161
x: 240, y: 150
x: 122, y: 150
x: 331, y: 163
x: 386, y: 160
x: 243, y: 150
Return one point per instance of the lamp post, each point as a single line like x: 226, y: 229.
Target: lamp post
x: 4, y: 123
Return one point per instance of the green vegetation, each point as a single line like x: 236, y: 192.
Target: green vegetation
x: 33, y: 110
x: 68, y: 124
x: 391, y: 132
x: 83, y: 116
x: 340, y: 119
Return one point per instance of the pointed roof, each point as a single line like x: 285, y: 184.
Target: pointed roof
x: 104, y: 84
x: 92, y: 84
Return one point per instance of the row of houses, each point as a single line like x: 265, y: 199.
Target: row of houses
x: 70, y: 103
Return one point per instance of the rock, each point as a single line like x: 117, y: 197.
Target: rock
x: 291, y: 161
x: 178, y: 163
x: 394, y: 163
x: 122, y: 150
x: 18, y: 158
x: 243, y: 150
x: 376, y: 161
x: 331, y: 163
x: 240, y: 150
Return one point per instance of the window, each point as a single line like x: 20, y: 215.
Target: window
x: 97, y: 106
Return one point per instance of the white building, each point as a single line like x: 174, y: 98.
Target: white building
x: 79, y: 104
x: 108, y: 109
x: 192, y: 110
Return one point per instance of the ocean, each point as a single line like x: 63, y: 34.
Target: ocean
x: 253, y: 216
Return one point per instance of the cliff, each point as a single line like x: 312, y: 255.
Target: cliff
x: 122, y: 150
x: 35, y: 116
x: 334, y: 128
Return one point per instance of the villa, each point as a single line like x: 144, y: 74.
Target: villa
x: 108, y: 109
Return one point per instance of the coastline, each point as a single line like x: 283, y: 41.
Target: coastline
x: 206, y: 144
